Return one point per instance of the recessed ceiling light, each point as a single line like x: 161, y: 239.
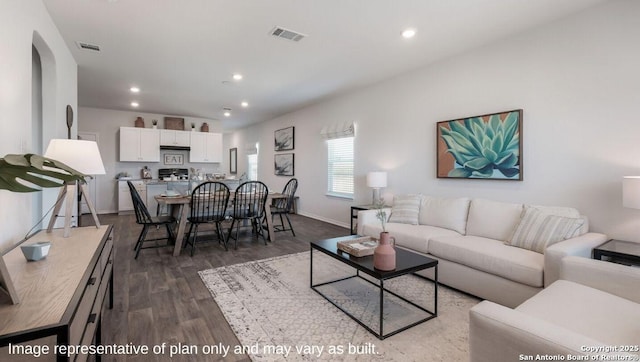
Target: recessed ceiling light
x: 134, y: 104
x: 245, y: 104
x: 409, y: 33
x: 226, y: 112
x: 237, y: 76
x: 134, y: 89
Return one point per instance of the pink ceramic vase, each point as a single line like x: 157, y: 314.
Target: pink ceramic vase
x: 384, y: 256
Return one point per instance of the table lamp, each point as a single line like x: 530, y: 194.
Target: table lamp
x: 83, y: 156
x: 631, y: 192
x: 376, y: 180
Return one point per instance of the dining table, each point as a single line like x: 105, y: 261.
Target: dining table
x: 180, y: 208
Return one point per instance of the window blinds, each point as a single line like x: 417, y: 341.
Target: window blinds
x: 340, y: 167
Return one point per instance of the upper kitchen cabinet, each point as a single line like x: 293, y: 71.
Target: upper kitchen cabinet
x: 206, y: 147
x: 139, y: 144
x: 173, y: 138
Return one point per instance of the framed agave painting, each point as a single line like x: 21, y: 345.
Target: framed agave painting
x: 483, y: 147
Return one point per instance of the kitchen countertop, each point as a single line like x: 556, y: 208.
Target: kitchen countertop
x: 162, y: 182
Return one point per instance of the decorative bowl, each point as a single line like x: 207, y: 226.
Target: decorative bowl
x: 36, y: 251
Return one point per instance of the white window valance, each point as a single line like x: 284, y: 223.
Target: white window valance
x: 338, y: 130
x: 251, y: 149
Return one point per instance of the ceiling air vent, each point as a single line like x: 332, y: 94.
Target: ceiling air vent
x: 87, y: 46
x: 286, y: 34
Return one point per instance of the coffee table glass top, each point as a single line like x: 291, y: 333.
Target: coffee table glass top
x: 406, y: 261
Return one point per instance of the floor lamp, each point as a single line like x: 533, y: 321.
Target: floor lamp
x: 84, y: 157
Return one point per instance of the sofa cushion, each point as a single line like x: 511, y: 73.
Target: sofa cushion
x: 538, y: 229
x: 601, y: 316
x: 493, y: 219
x: 414, y: 237
x: 557, y: 210
x: 405, y: 209
x: 448, y: 213
x: 491, y: 256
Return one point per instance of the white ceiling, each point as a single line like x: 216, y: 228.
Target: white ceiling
x: 179, y: 52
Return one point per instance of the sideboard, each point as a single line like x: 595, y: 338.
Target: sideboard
x: 61, y: 296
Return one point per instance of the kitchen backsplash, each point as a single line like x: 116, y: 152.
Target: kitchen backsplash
x: 134, y: 168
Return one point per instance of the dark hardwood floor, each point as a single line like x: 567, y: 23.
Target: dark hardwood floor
x: 159, y: 298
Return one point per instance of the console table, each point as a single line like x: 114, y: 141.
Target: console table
x: 61, y: 296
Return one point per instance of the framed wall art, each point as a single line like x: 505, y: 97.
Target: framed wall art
x: 233, y: 161
x: 485, y: 147
x: 284, y: 139
x: 173, y: 159
x: 283, y: 164
x: 174, y: 123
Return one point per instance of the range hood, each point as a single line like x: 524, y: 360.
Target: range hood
x: 176, y: 148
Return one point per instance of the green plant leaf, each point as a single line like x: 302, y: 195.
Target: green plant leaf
x: 497, y: 143
x: 507, y: 162
x: 490, y: 155
x: 477, y: 163
x: 511, y: 126
x: 484, y: 172
x: 35, y: 170
x: 509, y: 172
x: 459, y: 172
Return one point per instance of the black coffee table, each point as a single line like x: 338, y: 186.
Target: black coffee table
x: 407, y: 262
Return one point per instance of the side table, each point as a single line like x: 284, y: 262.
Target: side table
x: 354, y: 215
x: 619, y: 251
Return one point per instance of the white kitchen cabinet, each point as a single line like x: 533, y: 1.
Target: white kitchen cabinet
x: 139, y: 144
x: 125, y: 204
x: 206, y: 147
x: 169, y: 137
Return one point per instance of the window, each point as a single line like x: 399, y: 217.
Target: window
x: 340, y: 167
x: 252, y: 163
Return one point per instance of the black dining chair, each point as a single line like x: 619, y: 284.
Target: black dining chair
x: 146, y: 220
x: 248, y: 204
x: 282, y: 206
x: 208, y: 206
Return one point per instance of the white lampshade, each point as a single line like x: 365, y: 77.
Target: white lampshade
x: 631, y: 192
x: 377, y: 179
x: 80, y: 155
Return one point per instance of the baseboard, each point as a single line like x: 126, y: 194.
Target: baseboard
x: 330, y: 221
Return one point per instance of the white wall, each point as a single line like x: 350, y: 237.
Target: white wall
x: 106, y: 124
x: 23, y: 24
x: 577, y: 81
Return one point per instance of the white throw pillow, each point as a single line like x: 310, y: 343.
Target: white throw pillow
x: 405, y: 209
x: 493, y: 219
x: 537, y: 230
x: 445, y: 213
x: 558, y: 210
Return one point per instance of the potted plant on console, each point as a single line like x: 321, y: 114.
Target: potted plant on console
x: 384, y: 256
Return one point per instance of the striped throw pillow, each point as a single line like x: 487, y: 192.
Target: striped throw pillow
x: 538, y: 230
x: 405, y: 209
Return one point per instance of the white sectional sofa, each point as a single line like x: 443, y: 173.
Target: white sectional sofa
x: 593, y: 309
x: 470, y: 238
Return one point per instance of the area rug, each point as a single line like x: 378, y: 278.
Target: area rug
x: 277, y: 316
